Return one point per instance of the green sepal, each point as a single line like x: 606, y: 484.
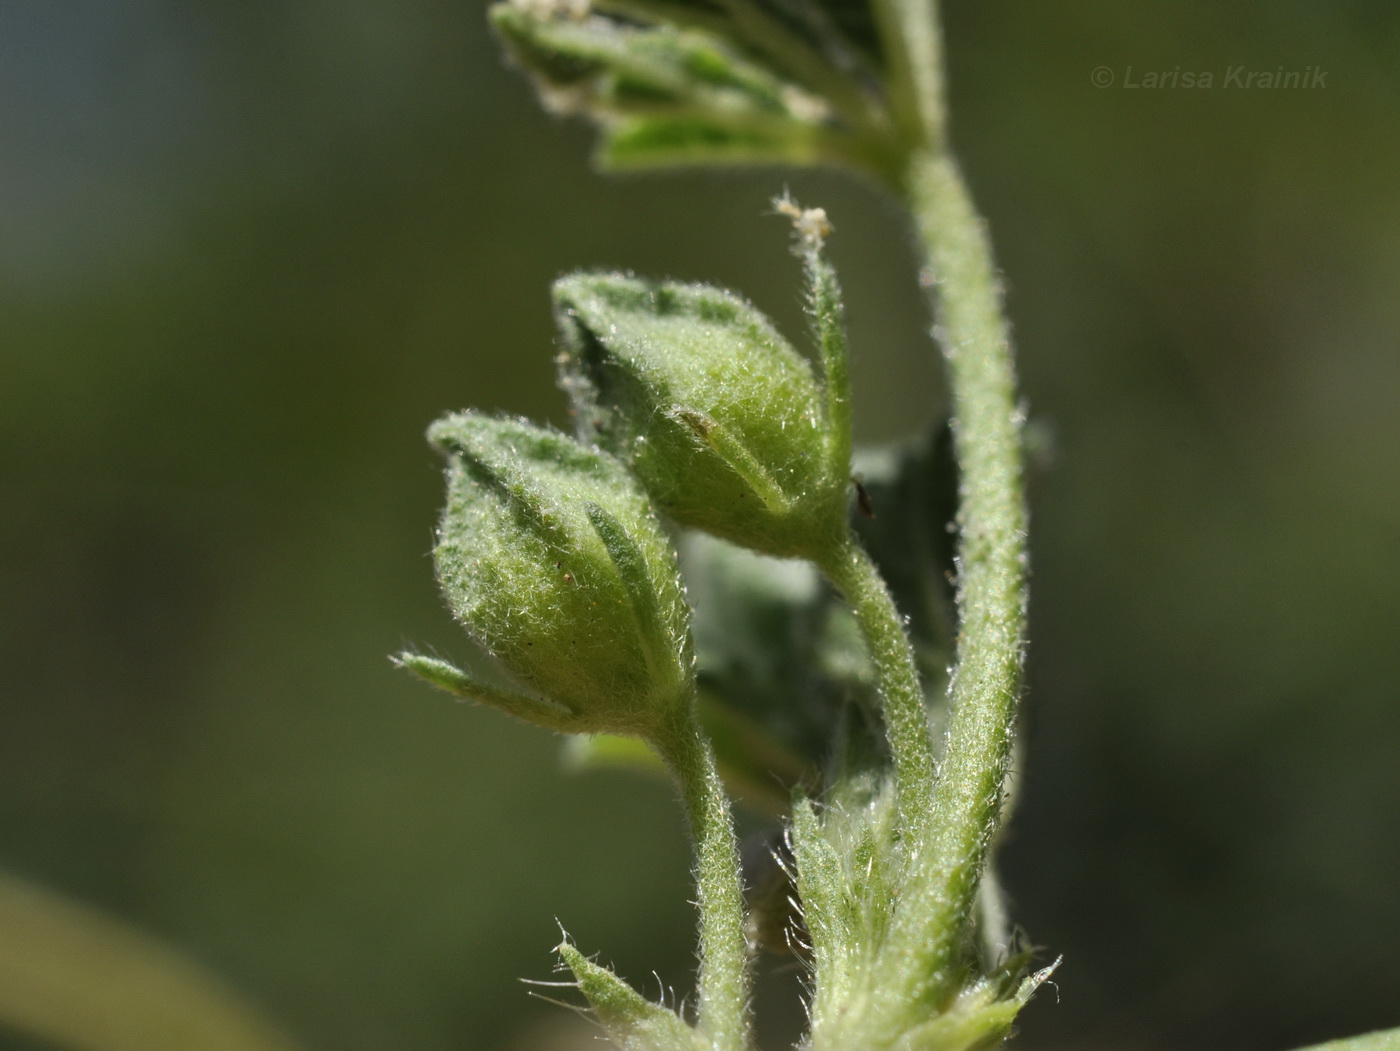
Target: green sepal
x: 737, y: 456
x: 721, y: 419
x: 819, y: 887
x: 632, y: 1022
x: 551, y: 557
x: 453, y: 680
x: 981, y: 1016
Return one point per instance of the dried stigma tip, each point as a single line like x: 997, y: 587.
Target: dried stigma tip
x: 811, y: 225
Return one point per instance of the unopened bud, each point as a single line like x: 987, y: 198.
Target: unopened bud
x: 550, y: 556
x: 722, y: 420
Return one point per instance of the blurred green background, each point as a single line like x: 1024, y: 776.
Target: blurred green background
x: 249, y: 250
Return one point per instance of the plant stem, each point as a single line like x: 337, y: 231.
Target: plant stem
x: 906, y: 719
x: 991, y: 588
x: 909, y: 32
x: 724, y: 995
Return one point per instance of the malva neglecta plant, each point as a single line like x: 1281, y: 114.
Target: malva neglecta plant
x: 883, y: 704
x: 707, y: 577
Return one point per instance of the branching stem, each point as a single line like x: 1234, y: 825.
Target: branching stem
x: 909, y: 32
x: 991, y: 586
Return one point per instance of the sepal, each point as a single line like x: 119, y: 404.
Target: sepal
x: 632, y: 1021
x: 451, y: 679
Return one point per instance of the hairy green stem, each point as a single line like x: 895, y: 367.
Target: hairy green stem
x: 724, y: 995
x: 906, y: 719
x: 991, y: 586
x: 909, y: 33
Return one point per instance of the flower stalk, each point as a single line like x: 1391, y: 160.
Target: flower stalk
x: 723, y: 990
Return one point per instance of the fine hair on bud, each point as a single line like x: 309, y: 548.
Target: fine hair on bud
x: 720, y: 417
x: 549, y: 554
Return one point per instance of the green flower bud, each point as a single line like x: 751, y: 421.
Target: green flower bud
x: 550, y: 556
x: 722, y: 420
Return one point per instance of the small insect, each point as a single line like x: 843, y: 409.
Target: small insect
x: 863, y: 501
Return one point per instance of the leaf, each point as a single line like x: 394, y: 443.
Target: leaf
x: 776, y: 647
x: 699, y: 83
x: 912, y: 493
x: 758, y: 625
x: 74, y: 977
x: 1389, y: 1040
x: 843, y: 33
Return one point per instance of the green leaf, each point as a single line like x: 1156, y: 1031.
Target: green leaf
x: 619, y: 68
x: 910, y: 493
x: 1389, y: 1040
x: 644, y: 143
x: 684, y: 83
x: 842, y: 33
x: 767, y: 697
x: 73, y: 977
x: 550, y: 556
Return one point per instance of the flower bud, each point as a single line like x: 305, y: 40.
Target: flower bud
x: 550, y: 556
x: 722, y: 420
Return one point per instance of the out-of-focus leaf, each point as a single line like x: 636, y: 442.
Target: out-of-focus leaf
x: 84, y: 980
x: 776, y: 647
x: 757, y: 767
x: 757, y: 630
x: 911, y: 491
x: 843, y: 32
x: 659, y: 142
x: 687, y: 83
x: 626, y: 69
x: 1389, y: 1040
